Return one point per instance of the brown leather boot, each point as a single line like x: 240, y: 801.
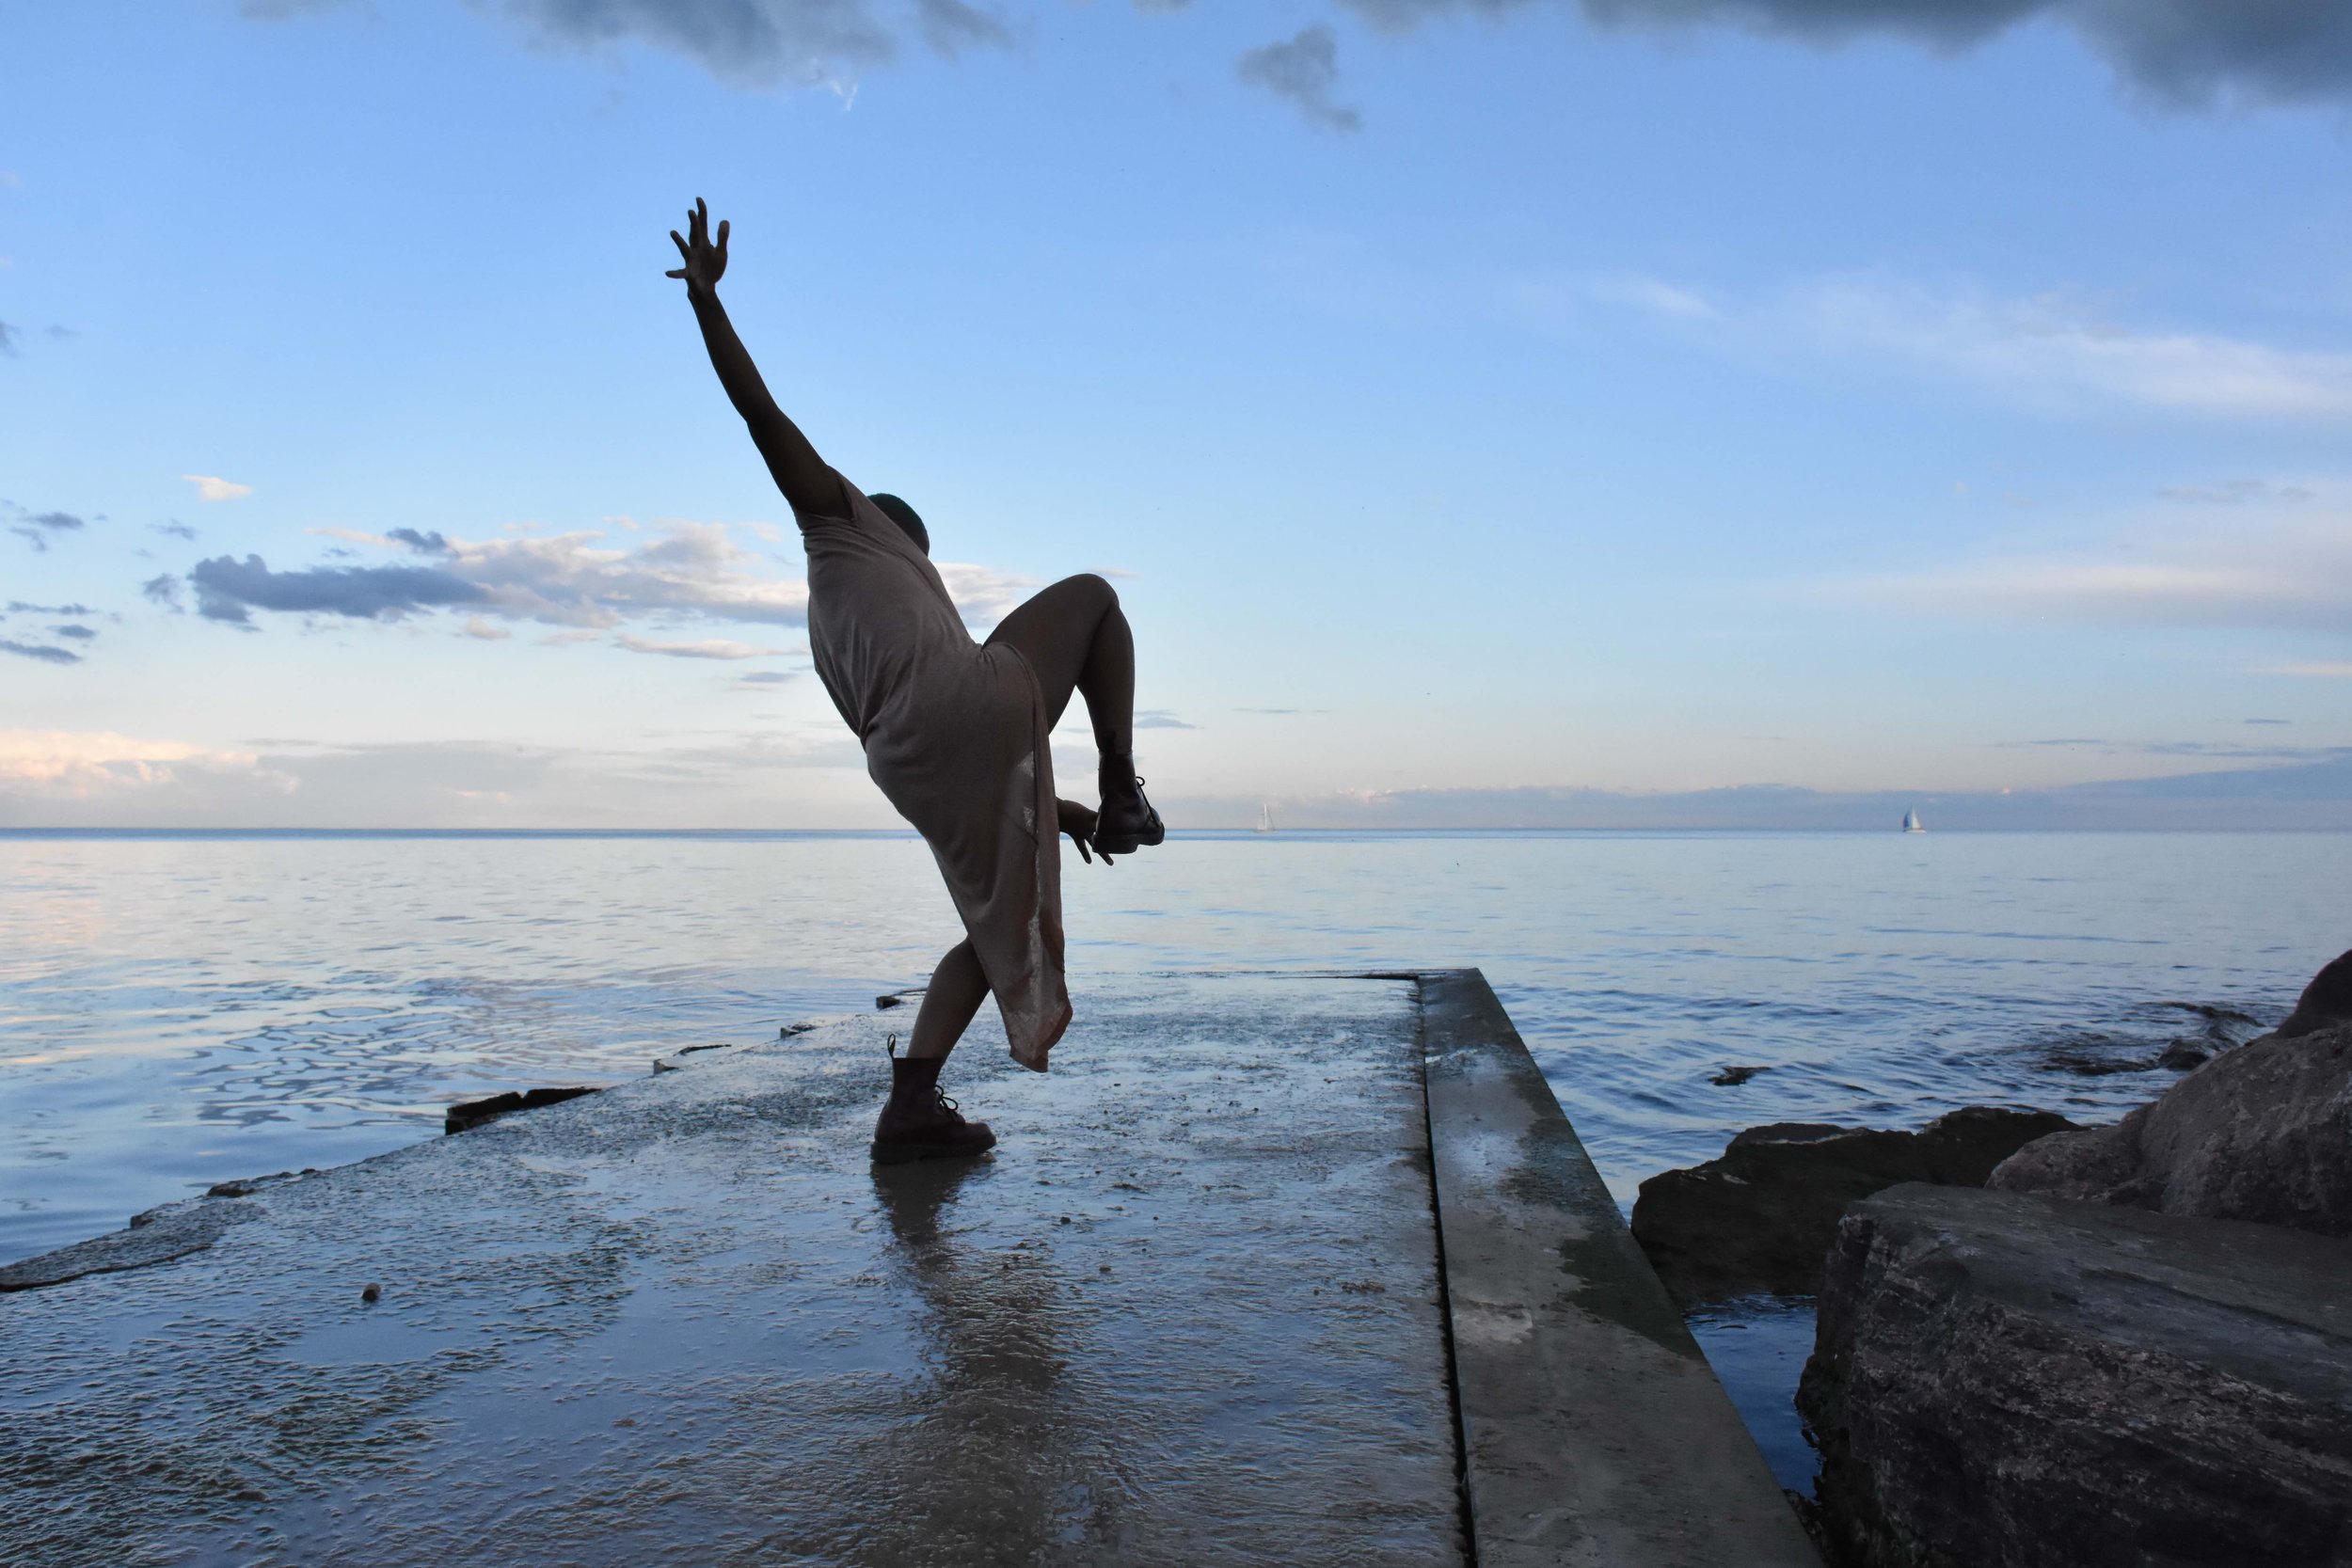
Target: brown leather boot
x: 1126, y: 822
x: 919, y: 1122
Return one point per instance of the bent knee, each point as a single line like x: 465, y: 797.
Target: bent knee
x: 1095, y: 587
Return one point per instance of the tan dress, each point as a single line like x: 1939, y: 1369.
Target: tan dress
x: 955, y: 735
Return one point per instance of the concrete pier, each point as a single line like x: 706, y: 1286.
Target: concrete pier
x: 1270, y: 1269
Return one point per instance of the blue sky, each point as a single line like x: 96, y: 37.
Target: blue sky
x: 1481, y: 401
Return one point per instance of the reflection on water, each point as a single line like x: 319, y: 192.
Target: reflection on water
x: 991, y: 1422
x: 176, y: 1010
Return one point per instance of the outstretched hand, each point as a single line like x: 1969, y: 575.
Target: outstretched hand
x: 1078, y: 822
x: 706, y: 261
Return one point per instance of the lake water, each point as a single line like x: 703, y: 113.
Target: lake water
x: 179, y: 1009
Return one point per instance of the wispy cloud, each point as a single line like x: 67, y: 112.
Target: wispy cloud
x: 2322, y: 670
x: 212, y: 487
x: 38, y: 528
x: 46, y: 653
x: 710, y: 648
x: 2267, y: 571
x: 2057, y: 351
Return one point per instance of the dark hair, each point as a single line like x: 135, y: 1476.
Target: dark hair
x: 905, y: 516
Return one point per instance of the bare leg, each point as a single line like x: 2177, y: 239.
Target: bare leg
x: 1076, y: 638
x: 958, y: 988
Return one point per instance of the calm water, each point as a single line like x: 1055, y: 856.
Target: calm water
x: 175, y: 1011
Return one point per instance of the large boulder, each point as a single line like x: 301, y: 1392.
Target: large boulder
x: 2263, y: 1132
x: 1757, y: 1219
x: 2003, y: 1381
x: 2325, y: 1002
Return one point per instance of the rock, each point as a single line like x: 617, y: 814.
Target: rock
x: 2263, y: 1132
x: 2184, y: 1056
x: 893, y: 1000
x: 2027, y: 1382
x: 1731, y: 1077
x: 371, y: 1294
x: 1757, y: 1219
x: 246, y: 1186
x: 2325, y: 1002
x: 473, y: 1113
x: 157, y: 1236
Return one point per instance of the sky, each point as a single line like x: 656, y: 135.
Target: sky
x: 1491, y: 412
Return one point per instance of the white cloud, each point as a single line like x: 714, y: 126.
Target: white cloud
x: 82, y: 763
x: 482, y: 630
x: 984, y: 593
x: 2057, y: 350
x: 2337, y: 669
x: 709, y: 649
x: 212, y: 487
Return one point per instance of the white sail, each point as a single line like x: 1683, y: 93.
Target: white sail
x: 1912, y: 823
x: 1265, y: 817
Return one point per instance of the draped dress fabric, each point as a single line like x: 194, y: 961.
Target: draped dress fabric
x: 955, y: 735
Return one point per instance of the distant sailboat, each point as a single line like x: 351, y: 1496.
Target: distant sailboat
x: 1912, y: 823
x: 1265, y: 817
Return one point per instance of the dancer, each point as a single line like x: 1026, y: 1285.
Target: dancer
x: 954, y: 731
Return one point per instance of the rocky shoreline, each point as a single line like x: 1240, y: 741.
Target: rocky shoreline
x: 2038, y: 1343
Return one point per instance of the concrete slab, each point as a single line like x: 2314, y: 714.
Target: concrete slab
x: 1593, y: 1431
x: 1187, y: 1313
x: 1191, y: 1311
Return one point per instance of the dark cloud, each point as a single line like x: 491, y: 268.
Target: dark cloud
x: 175, y: 529
x: 2184, y: 52
x: 428, y: 543
x: 951, y: 26
x: 18, y: 606
x: 36, y: 527
x: 79, y: 634
x: 1159, y: 719
x: 746, y: 43
x: 228, y: 589
x: 765, y: 677
x: 9, y: 336
x: 163, y: 590
x: 2270, y: 720
x: 48, y: 656
x: 1303, y: 69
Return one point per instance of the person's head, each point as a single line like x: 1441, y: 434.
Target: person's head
x: 905, y: 516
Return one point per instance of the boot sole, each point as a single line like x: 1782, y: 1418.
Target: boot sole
x: 907, y: 1153
x: 1129, y: 843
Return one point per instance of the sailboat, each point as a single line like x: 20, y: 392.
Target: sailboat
x: 1912, y: 823
x: 1265, y: 817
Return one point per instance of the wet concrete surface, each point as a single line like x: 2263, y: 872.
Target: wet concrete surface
x: 1592, y: 1430
x: 1188, y: 1311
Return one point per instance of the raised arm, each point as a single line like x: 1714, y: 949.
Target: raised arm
x: 804, y: 477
